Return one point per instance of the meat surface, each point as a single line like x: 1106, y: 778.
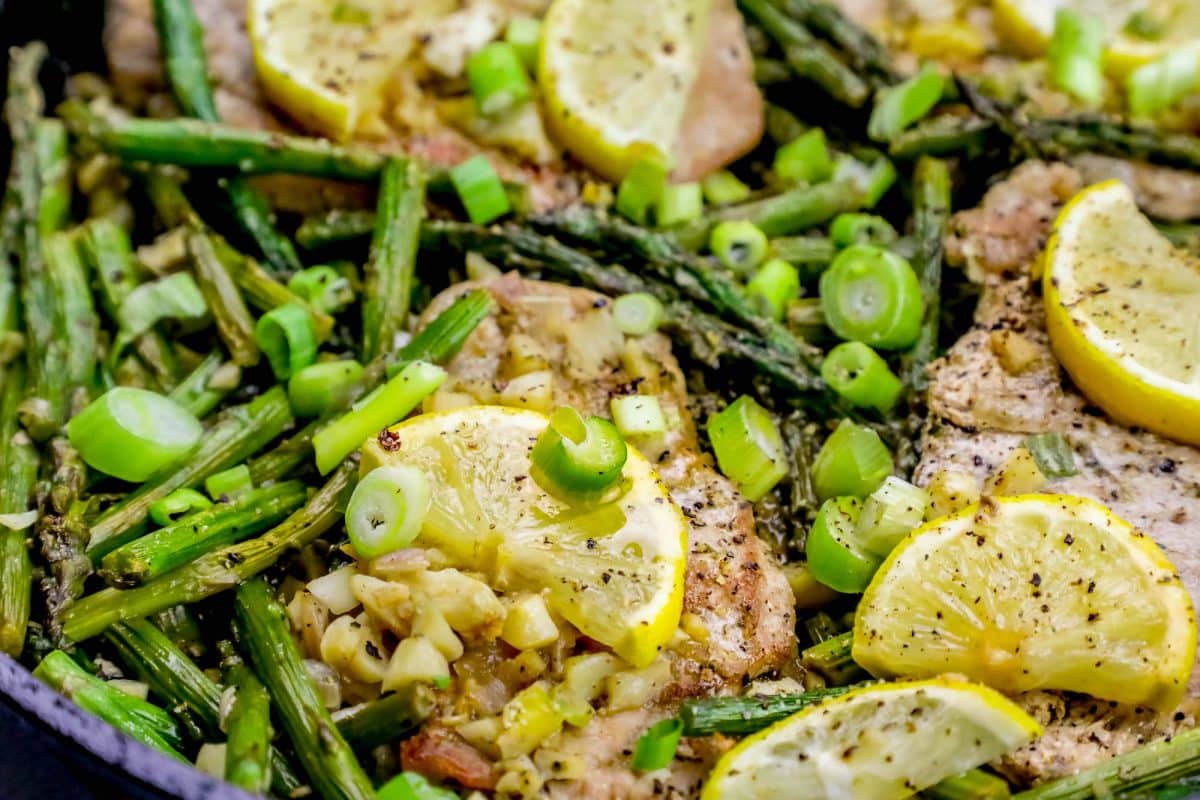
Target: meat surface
x: 737, y: 607
x: 981, y: 408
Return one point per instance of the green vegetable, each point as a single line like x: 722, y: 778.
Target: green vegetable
x: 524, y: 34
x: 835, y: 555
x: 791, y: 211
x: 931, y: 217
x: 678, y: 203
x: 858, y: 374
x: 287, y: 337
x: 974, y: 784
x: 480, y: 190
x: 852, y: 462
x: 207, y: 385
x: 723, y: 187
x: 387, y: 718
x: 871, y: 179
x: 855, y: 228
x: 577, y: 459
x: 833, y: 659
x: 413, y: 786
x: 229, y: 483
x: 173, y: 297
x: 248, y: 742
x: 897, y: 107
x: 318, y: 387
x: 641, y: 190
x: 132, y: 433
x: 739, y: 246
x: 1076, y: 55
x: 387, y: 509
x: 638, y: 415
x: 179, y: 503
x: 734, y: 716
x: 748, y: 447
x: 889, y: 514
x: 1162, y: 83
x: 392, y: 262
x: 805, y: 159
x: 776, y: 284
x: 497, y: 78
x: 637, y: 313
x: 1053, y: 454
x: 234, y: 323
x: 656, y: 747
x: 322, y: 287
x: 871, y: 295
x: 20, y: 459
x: 334, y: 227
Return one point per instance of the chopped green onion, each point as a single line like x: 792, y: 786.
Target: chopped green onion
x: 873, y: 296
x: 320, y: 386
x: 656, y: 747
x: 132, y: 433
x: 637, y: 313
x: 497, y: 78
x: 679, y: 203
x: 640, y: 190
x: 288, y: 337
x: 480, y: 190
x: 174, y: 297
x: 1145, y: 24
x: 775, y: 285
x: 860, y: 376
x: 723, y: 187
x: 638, y: 415
x: 848, y: 229
x: 1076, y: 55
x: 748, y: 447
x: 852, y: 462
x: 387, y: 509
x: 873, y: 179
x: 805, y: 159
x: 413, y: 786
x: 229, y: 483
x: 1164, y: 82
x: 381, y: 408
x: 890, y: 513
x: 1052, y: 454
x: 835, y: 557
x: 178, y: 503
x: 577, y: 459
x: 973, y: 784
x: 738, y: 245
x: 323, y: 288
x: 525, y: 35
x: 897, y: 107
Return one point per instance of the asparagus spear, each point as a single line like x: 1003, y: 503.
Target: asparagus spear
x: 334, y: 227
x: 864, y: 51
x: 181, y: 38
x: 385, y: 719
x: 194, y: 143
x: 18, y: 471
x: 217, y: 571
x: 804, y: 251
x: 54, y: 172
x: 248, y: 745
x: 158, y: 553
x: 263, y: 291
x: 62, y: 531
x: 973, y: 784
x: 320, y: 747
x: 80, y: 327
x: 931, y: 214
x: 179, y: 624
x: 1131, y: 773
x: 768, y: 71
x: 832, y: 658
x: 735, y: 716
x: 176, y: 679
x: 942, y: 134
x: 808, y: 57
x: 234, y: 323
x: 207, y: 385
x: 389, y: 272
x: 122, y: 711
x: 238, y: 434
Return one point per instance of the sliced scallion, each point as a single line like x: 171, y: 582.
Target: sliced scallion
x: 640, y: 190
x: 656, y: 747
x: 132, y: 433
x: 480, y: 190
x: 856, y: 228
x: 176, y: 505
x: 738, y: 245
x: 319, y: 386
x: 805, y: 159
x: 852, y: 462
x: 578, y: 459
x: 497, y: 78
x: 1076, y: 55
x: 872, y: 179
x: 387, y: 509
x: 230, y: 483
x: 679, y: 203
x: 723, y: 187
x: 1053, y: 454
x: 835, y: 557
x: 748, y: 446
x: 889, y: 514
x: 1162, y: 83
x: 897, y: 107
x: 288, y: 337
x: 524, y: 34
x: 776, y: 284
x: 637, y: 313
x: 861, y: 376
x: 413, y: 786
x: 638, y: 415
x: 871, y: 295
x: 323, y: 288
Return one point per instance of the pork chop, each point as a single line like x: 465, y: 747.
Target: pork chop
x: 982, y: 406
x: 738, y: 612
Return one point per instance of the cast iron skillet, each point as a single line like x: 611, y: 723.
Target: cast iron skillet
x: 103, y: 758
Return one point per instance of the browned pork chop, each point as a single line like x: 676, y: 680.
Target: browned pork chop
x: 738, y: 612
x: 982, y: 405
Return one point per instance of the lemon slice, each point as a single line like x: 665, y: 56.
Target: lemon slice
x: 326, y: 63
x: 1032, y: 592
x: 616, y: 76
x: 1121, y: 312
x: 885, y: 741
x: 613, y: 569
x: 1026, y: 26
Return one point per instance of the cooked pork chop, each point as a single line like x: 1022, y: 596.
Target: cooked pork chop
x: 982, y: 405
x: 737, y: 607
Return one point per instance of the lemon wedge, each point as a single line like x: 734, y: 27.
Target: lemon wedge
x: 1026, y: 26
x: 614, y: 569
x: 1121, y: 312
x: 1032, y: 592
x: 326, y: 63
x: 882, y: 742
x: 616, y: 74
